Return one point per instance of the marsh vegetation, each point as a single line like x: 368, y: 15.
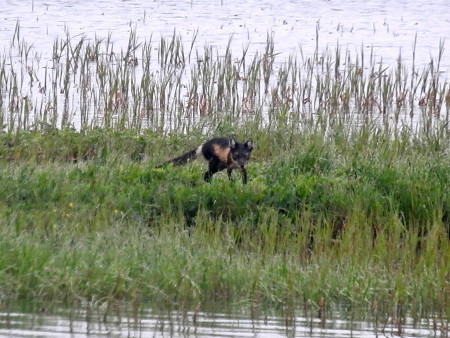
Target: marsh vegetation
x: 347, y: 204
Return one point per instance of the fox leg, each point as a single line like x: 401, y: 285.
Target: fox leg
x: 244, y: 175
x: 229, y: 171
x: 214, y: 166
x: 207, y: 177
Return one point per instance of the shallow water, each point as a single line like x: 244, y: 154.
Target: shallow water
x: 381, y: 30
x: 152, y: 324
x: 388, y: 26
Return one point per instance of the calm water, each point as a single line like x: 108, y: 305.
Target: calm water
x: 206, y: 325
x: 388, y: 26
x: 386, y: 29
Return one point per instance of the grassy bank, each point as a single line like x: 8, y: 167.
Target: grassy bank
x: 348, y: 200
x: 357, y: 218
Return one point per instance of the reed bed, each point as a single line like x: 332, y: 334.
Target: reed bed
x: 347, y: 206
x: 174, y: 86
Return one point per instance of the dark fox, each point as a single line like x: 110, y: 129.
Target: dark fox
x: 221, y: 153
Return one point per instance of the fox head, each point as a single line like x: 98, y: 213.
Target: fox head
x: 240, y: 152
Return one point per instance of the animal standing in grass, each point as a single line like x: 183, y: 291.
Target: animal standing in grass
x: 221, y: 153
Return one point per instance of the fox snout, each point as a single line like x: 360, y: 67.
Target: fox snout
x: 239, y: 161
x: 242, y: 164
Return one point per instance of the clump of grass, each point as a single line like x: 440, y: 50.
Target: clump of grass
x: 363, y: 224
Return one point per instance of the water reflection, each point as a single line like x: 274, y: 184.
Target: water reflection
x: 47, y: 82
x: 389, y: 26
x: 193, y: 324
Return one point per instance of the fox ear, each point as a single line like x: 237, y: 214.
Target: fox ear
x: 249, y: 144
x: 232, y: 143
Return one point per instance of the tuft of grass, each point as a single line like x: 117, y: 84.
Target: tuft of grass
x: 363, y: 224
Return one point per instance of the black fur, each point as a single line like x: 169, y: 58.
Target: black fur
x: 221, y: 153
x: 182, y: 159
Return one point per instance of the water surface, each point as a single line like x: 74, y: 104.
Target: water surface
x: 385, y: 28
x: 388, y: 26
x: 152, y: 324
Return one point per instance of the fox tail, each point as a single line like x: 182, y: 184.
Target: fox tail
x: 182, y: 159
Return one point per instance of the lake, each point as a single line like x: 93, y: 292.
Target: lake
x: 56, y: 54
x: 200, y: 324
x: 387, y: 29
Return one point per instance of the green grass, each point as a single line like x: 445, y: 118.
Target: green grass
x: 348, y: 200
x: 364, y: 223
